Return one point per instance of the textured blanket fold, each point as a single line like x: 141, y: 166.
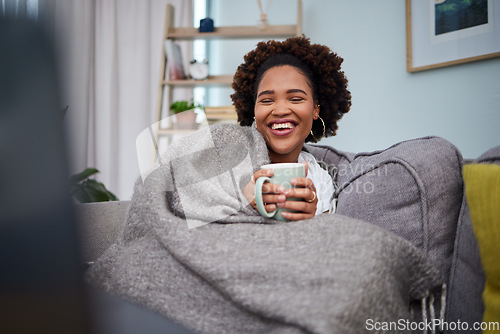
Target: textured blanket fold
x: 193, y: 250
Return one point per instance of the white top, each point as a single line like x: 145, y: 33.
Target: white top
x: 322, y: 181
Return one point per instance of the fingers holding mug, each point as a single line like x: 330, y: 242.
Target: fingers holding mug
x: 249, y: 190
x: 305, y: 200
x: 261, y: 172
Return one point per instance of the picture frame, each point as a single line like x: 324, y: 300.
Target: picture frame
x: 435, y: 37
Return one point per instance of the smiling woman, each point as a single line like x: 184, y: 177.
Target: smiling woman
x: 293, y: 92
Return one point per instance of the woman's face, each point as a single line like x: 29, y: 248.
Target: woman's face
x: 284, y: 112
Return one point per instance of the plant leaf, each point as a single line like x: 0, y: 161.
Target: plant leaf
x: 86, y: 190
x: 95, y: 190
x: 111, y: 196
x: 83, y: 175
x: 80, y: 195
x: 180, y: 106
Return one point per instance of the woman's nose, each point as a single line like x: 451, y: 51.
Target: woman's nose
x: 281, y: 109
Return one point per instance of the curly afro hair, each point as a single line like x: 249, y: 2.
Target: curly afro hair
x: 317, y: 62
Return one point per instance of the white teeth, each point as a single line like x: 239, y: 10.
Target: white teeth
x: 282, y: 126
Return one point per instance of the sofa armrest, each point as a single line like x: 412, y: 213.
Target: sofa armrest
x: 99, y: 224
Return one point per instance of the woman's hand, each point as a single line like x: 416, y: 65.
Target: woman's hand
x: 306, y: 207
x: 270, y: 191
x: 275, y: 195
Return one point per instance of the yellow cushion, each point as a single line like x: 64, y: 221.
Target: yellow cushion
x: 482, y: 187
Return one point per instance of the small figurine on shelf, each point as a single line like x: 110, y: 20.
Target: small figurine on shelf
x: 206, y: 25
x: 198, y: 70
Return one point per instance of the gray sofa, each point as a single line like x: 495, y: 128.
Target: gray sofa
x: 414, y: 189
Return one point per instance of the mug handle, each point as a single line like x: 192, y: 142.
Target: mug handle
x: 258, y: 197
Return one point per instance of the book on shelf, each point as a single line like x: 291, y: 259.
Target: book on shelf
x: 175, y: 65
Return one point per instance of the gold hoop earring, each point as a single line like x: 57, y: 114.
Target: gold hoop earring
x: 324, y: 130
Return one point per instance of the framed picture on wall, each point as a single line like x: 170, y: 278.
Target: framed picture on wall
x: 449, y: 32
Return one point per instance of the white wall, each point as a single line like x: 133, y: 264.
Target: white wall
x: 460, y: 103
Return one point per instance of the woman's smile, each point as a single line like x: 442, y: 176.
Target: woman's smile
x: 282, y: 127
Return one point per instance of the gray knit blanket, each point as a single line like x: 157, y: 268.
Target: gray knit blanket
x: 193, y: 250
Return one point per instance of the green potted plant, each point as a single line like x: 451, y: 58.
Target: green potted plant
x: 185, y: 114
x: 87, y: 190
x: 84, y: 189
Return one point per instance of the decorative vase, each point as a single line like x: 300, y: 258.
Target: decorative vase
x: 185, y: 120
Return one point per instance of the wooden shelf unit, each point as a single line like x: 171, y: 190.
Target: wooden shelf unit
x: 224, y: 32
x: 234, y: 32
x: 214, y: 80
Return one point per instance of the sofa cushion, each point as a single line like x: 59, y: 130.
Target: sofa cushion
x: 482, y: 183
x: 467, y: 279
x: 99, y: 223
x: 490, y: 156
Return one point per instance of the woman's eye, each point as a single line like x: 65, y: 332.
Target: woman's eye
x: 266, y: 101
x: 296, y: 99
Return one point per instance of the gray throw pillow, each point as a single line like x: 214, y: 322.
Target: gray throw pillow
x: 413, y: 188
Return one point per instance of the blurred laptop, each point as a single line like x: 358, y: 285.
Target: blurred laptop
x: 41, y: 286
